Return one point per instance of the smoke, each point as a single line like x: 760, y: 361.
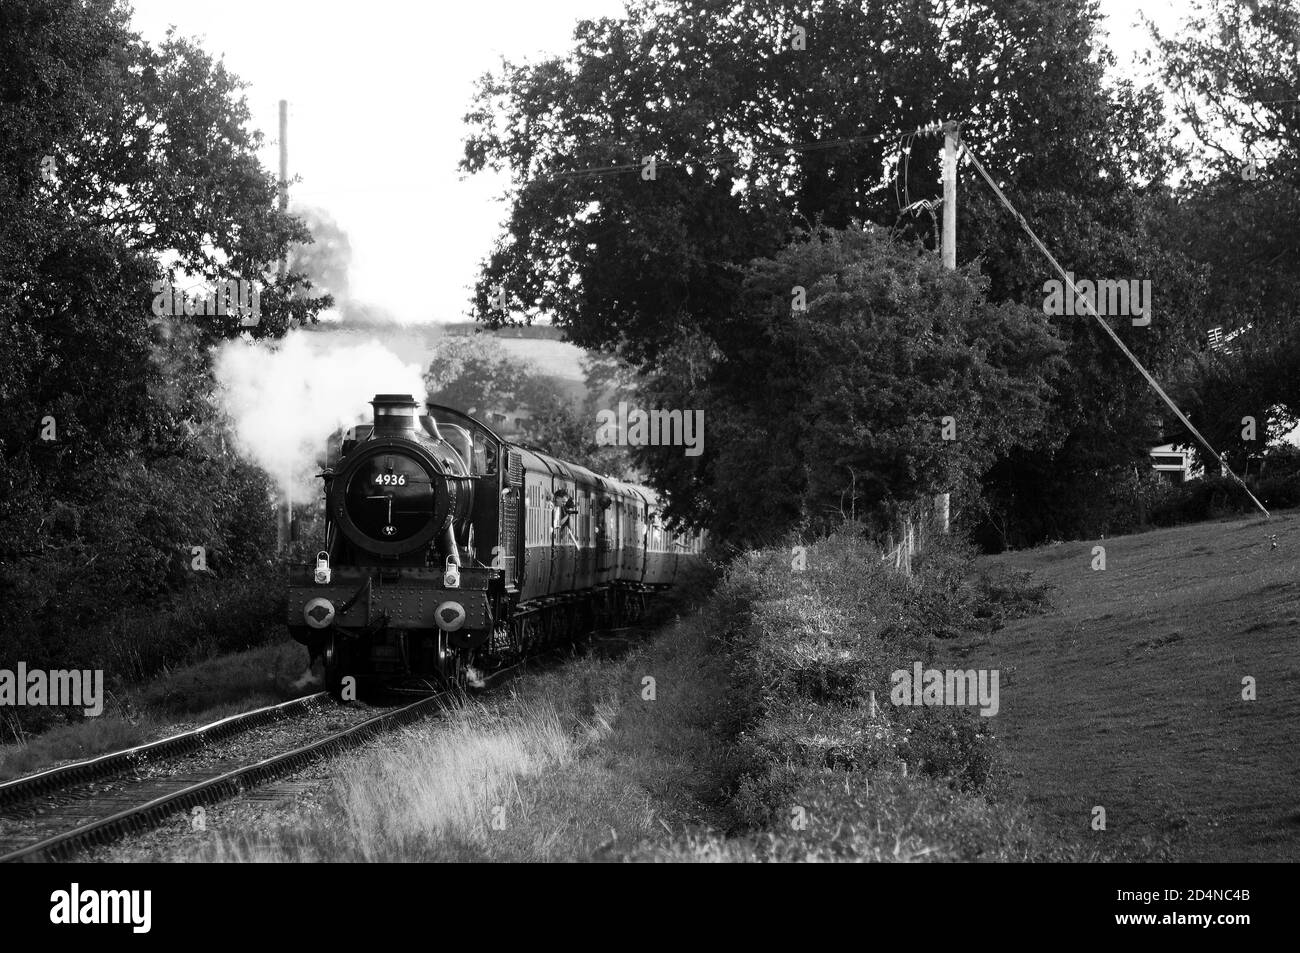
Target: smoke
x: 286, y: 398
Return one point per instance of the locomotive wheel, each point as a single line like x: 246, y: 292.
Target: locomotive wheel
x: 452, y: 664
x: 451, y: 671
x: 338, y: 663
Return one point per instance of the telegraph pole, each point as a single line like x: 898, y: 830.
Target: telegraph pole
x: 949, y: 193
x: 943, y: 501
x: 284, y: 516
x: 284, y: 174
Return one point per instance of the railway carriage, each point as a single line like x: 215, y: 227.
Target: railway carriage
x: 450, y: 550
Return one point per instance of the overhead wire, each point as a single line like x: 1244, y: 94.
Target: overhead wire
x: 1110, y: 332
x: 905, y: 144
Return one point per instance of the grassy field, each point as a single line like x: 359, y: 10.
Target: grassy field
x: 1129, y: 695
x: 757, y: 738
x: 741, y: 731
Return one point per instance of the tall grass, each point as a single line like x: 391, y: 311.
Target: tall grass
x: 192, y: 694
x: 446, y: 790
x: 759, y: 714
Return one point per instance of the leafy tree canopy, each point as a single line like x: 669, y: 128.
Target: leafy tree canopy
x: 765, y: 119
x: 899, y: 379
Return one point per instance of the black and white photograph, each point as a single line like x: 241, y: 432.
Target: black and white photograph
x: 645, y: 432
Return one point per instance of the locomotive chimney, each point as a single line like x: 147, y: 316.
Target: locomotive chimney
x: 394, y: 415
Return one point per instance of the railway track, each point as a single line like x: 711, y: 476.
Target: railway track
x: 120, y: 762
x: 55, y: 814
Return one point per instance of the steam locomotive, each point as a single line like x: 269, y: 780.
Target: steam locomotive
x: 450, y: 552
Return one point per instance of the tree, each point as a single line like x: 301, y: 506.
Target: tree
x: 558, y: 428
x: 1234, y: 69
x: 755, y: 136
x: 326, y: 260
x: 121, y: 164
x: 1243, y: 399
x: 475, y: 374
x: 897, y: 380
x: 113, y: 157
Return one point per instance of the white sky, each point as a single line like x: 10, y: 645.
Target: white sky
x: 377, y: 91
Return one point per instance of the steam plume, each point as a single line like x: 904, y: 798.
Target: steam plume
x: 286, y: 398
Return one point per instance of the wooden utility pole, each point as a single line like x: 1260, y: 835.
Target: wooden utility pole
x: 284, y: 516
x: 943, y: 501
x: 949, y: 195
x: 284, y: 174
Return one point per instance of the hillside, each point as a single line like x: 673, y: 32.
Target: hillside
x: 745, y: 728
x: 416, y: 344
x: 1129, y: 694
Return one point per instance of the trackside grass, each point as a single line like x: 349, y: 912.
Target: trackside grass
x: 171, y: 701
x: 818, y: 769
x: 742, y: 731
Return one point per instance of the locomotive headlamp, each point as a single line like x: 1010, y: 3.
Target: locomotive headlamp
x: 451, y: 575
x: 318, y: 613
x: 449, y: 616
x: 323, y: 568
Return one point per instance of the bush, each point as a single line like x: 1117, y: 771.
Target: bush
x: 807, y: 650
x: 1218, y: 497
x: 842, y: 402
x: 1125, y: 500
x: 108, y: 578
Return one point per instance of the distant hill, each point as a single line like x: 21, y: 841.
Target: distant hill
x: 540, y: 345
x: 532, y: 331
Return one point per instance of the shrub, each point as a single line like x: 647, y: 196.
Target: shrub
x: 807, y: 650
x: 108, y: 580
